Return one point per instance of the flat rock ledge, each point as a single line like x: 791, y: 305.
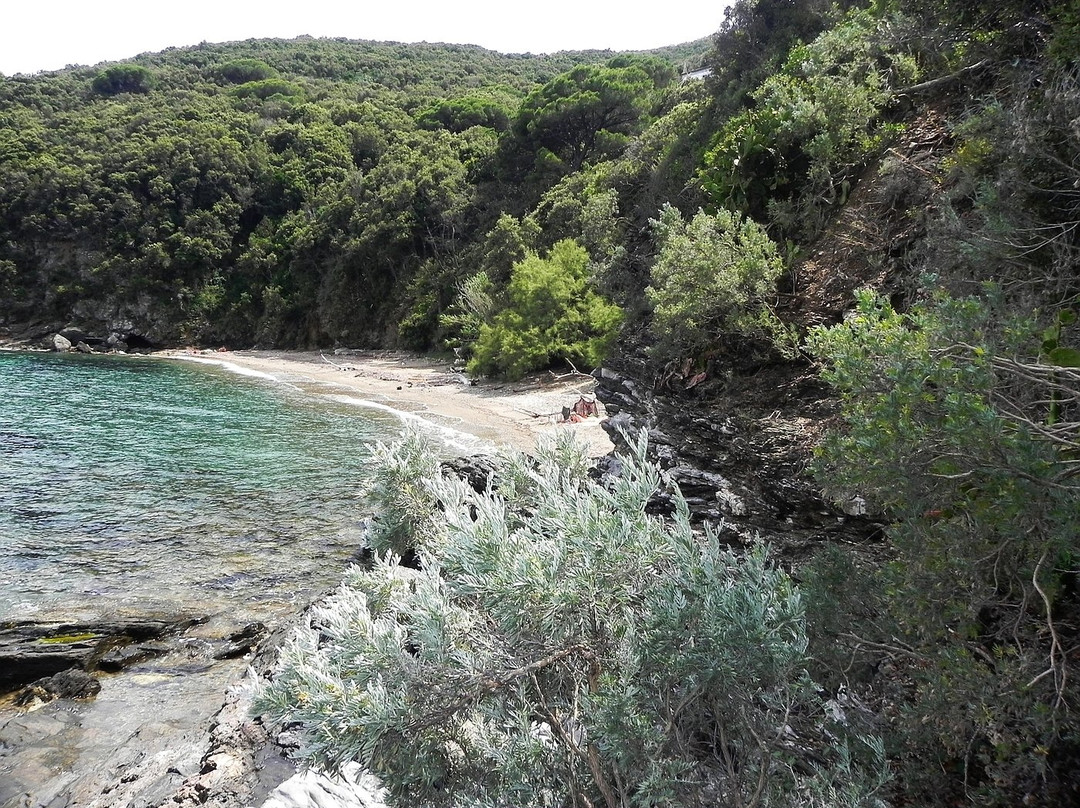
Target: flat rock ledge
x: 243, y: 765
x: 31, y: 651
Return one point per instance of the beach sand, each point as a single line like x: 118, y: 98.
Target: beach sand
x: 498, y: 414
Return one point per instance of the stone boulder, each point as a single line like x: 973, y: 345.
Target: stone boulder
x: 476, y: 470
x: 116, y: 342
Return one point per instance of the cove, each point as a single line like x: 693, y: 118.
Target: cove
x: 141, y: 488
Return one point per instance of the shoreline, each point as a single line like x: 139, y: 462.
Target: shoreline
x: 492, y: 414
x: 215, y: 748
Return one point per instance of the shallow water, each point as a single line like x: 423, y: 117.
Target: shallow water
x: 133, y: 486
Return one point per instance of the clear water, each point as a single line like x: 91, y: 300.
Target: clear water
x: 135, y: 486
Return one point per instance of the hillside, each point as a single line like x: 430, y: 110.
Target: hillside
x: 245, y: 193
x: 836, y: 283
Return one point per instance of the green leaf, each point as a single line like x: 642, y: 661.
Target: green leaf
x: 1064, y: 357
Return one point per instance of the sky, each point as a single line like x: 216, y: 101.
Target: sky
x: 51, y: 34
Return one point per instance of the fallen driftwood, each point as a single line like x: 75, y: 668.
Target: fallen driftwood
x: 338, y: 365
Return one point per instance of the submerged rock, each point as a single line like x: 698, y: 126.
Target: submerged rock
x: 157, y: 734
x: 242, y: 642
x: 119, y: 658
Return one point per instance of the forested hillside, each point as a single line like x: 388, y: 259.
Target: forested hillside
x: 297, y: 193
x: 838, y: 282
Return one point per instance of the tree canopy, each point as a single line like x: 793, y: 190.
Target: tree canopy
x: 589, y: 112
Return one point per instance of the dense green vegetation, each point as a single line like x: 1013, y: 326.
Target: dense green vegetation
x: 953, y: 428
x: 551, y: 314
x: 294, y: 193
x: 712, y: 278
x: 560, y: 646
x: 315, y: 193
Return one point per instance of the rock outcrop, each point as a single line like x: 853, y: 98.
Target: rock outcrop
x: 69, y: 684
x: 30, y: 650
x: 737, y: 442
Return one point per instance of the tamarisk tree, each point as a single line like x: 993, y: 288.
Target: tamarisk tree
x: 559, y: 646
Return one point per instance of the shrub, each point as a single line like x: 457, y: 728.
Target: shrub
x: 960, y: 427
x: 399, y: 496
x: 561, y: 646
x: 473, y: 306
x: 713, y: 275
x: 553, y: 313
x: 812, y: 125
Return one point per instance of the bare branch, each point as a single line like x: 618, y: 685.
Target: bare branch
x: 916, y: 89
x: 485, y: 684
x: 1059, y: 669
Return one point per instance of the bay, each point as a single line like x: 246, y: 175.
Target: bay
x: 145, y: 487
x: 133, y: 485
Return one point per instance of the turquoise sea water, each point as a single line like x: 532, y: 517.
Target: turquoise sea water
x: 134, y: 486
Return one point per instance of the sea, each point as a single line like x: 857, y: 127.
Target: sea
x: 144, y: 487
x: 140, y: 486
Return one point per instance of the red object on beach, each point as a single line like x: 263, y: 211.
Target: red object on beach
x: 585, y: 407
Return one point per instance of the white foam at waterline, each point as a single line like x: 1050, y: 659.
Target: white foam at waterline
x: 456, y: 439
x: 229, y: 366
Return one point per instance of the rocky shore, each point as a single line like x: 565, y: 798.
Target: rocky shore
x: 154, y: 710
x: 737, y: 445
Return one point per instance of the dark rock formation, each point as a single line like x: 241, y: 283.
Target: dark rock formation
x: 116, y: 342
x: 476, y: 470
x: 241, y: 763
x: 70, y: 684
x: 63, y: 339
x: 242, y: 642
x: 737, y: 443
x: 157, y: 735
x: 117, y: 659
x: 75, y: 335
x: 30, y: 651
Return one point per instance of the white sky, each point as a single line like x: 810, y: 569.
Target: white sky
x: 51, y: 34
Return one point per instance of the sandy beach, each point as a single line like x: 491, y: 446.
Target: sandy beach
x: 511, y: 414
